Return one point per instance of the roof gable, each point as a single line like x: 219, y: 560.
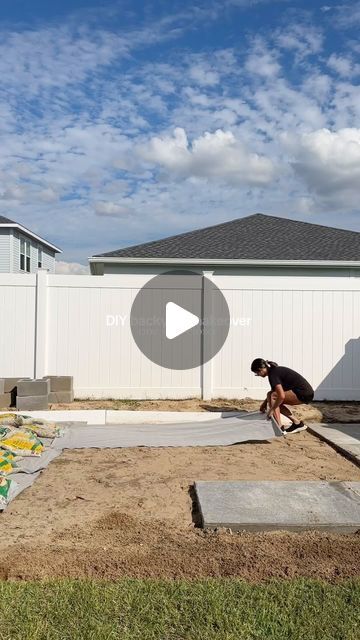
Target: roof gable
x: 4, y: 220
x: 7, y: 223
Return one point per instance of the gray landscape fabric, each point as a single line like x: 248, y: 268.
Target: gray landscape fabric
x: 231, y: 428
x: 227, y: 430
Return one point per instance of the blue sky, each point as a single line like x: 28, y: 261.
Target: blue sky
x: 124, y: 122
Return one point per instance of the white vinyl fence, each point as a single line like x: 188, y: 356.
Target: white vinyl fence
x: 54, y: 324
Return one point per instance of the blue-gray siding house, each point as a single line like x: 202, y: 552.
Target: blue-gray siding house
x: 22, y: 251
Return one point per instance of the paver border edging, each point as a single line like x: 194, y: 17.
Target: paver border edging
x: 113, y: 416
x: 340, y: 448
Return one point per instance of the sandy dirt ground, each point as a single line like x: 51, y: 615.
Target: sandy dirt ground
x: 131, y: 512
x: 315, y: 412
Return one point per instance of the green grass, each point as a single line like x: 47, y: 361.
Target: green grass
x: 179, y: 610
x: 133, y: 404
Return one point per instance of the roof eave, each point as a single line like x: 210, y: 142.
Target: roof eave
x: 234, y: 262
x: 16, y: 225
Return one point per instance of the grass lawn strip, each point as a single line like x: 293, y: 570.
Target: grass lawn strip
x: 228, y: 609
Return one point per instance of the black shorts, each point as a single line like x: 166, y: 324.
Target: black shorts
x: 305, y: 396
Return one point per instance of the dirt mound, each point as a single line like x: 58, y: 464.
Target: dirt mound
x: 131, y: 512
x: 119, y: 545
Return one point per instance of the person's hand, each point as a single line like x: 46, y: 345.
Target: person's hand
x: 270, y: 413
x: 263, y: 406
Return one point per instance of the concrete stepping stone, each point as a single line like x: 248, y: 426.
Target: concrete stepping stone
x: 343, y: 437
x: 279, y: 505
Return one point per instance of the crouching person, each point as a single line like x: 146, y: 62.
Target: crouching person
x: 288, y: 387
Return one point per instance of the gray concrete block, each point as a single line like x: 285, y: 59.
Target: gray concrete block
x: 11, y: 383
x: 32, y: 403
x: 274, y: 505
x: 5, y: 400
x: 61, y: 396
x: 33, y: 387
x: 61, y: 383
x: 343, y: 437
x: 2, y: 385
x: 352, y: 451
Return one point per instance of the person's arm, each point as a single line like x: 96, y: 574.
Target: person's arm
x: 280, y: 395
x: 264, y: 404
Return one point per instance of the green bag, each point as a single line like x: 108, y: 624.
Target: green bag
x: 6, y: 487
x: 4, y: 431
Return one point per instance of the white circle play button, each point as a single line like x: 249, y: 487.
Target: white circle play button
x: 179, y: 319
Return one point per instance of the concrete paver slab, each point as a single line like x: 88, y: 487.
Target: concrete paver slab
x: 278, y: 505
x: 344, y: 437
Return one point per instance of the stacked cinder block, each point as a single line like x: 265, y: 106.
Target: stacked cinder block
x: 8, y: 390
x: 61, y: 388
x: 32, y: 394
x: 5, y: 396
x: 35, y: 394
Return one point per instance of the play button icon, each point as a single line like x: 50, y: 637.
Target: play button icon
x: 179, y: 319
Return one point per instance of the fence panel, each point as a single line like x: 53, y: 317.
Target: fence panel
x: 79, y: 326
x: 17, y: 324
x: 313, y: 327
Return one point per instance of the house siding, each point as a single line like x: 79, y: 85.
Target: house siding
x: 4, y: 251
x: 48, y: 258
x: 16, y: 254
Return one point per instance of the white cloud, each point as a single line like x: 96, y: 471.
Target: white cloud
x: 262, y: 61
x: 107, y: 208
x: 317, y: 86
x: 71, y: 268
x: 204, y: 76
x: 216, y: 155
x: 14, y: 192
x: 342, y: 65
x: 346, y: 15
x: 38, y: 60
x: 329, y: 163
x: 303, y: 39
x: 47, y: 195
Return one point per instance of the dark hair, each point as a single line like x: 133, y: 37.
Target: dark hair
x: 260, y: 363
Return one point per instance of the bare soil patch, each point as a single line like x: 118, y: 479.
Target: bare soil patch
x: 347, y: 412
x: 130, y: 512
x: 314, y: 412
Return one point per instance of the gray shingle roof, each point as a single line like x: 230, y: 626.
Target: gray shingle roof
x: 255, y: 237
x: 4, y: 220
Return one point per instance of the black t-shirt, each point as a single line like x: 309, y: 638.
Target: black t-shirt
x: 289, y: 379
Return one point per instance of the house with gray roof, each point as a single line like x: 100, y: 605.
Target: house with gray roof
x: 261, y: 244
x: 22, y: 250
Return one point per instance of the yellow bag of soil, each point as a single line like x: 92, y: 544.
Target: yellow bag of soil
x: 42, y: 428
x: 22, y: 443
x: 7, y: 463
x: 10, y: 419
